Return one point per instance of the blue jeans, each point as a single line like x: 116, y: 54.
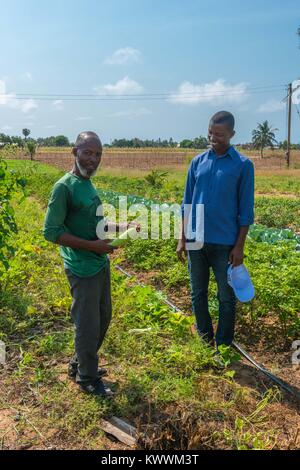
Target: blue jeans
x: 200, y: 261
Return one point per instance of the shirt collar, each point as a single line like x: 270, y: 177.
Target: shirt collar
x: 230, y: 151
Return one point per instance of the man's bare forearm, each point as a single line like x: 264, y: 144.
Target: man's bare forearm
x: 236, y: 255
x: 241, y: 239
x: 71, y: 241
x: 183, y: 230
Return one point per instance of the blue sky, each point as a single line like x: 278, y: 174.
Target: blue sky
x: 205, y: 55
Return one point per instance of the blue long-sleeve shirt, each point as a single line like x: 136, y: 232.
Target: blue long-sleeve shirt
x: 225, y: 186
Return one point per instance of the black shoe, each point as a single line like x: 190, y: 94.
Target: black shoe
x: 72, y: 371
x: 96, y: 389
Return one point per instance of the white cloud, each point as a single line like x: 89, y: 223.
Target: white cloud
x: 271, y: 106
x: 27, y: 76
x: 125, y: 55
x: 217, y: 92
x: 6, y: 128
x: 132, y: 113
x: 10, y: 100
x: 28, y: 105
x: 83, y: 118
x: 50, y: 126
x: 125, y: 86
x: 4, y: 97
x: 58, y: 105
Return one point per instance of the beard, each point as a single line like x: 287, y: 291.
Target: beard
x: 84, y: 173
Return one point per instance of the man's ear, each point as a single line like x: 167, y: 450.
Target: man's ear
x: 74, y: 151
x: 232, y: 134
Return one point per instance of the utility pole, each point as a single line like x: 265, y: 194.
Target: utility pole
x: 289, y: 102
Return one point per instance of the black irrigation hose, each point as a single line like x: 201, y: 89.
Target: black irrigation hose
x: 264, y: 371
x: 271, y: 376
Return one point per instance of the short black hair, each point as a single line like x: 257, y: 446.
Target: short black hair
x: 87, y: 135
x: 223, y: 117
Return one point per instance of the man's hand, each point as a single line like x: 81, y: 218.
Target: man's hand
x: 97, y: 246
x: 181, y: 250
x: 102, y: 246
x: 236, y: 256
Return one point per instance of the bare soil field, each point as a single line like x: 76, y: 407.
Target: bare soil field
x: 147, y: 159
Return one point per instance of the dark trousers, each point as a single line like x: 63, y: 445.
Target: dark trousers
x: 200, y: 261
x: 91, y: 314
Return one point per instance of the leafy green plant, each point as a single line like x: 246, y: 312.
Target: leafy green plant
x: 31, y: 149
x: 10, y: 184
x: 228, y: 355
x: 156, y: 178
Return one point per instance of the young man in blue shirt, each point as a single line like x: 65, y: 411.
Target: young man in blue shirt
x: 223, y: 181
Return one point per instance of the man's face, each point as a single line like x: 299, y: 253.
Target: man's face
x: 219, y: 136
x: 88, y: 157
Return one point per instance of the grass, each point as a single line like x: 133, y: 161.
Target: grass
x: 164, y: 378
x: 157, y: 370
x: 278, y: 212
x: 272, y: 212
x: 160, y: 256
x: 284, y: 182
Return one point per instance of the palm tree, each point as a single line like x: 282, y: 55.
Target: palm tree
x: 263, y: 136
x: 25, y: 133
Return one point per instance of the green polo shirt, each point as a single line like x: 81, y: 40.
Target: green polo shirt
x: 72, y: 208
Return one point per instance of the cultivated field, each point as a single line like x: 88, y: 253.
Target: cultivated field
x: 165, y: 380
x: 146, y: 158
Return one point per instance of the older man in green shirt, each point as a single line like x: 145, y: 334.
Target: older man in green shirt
x: 71, y: 222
